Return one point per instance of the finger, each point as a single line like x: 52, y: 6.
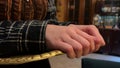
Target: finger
x: 94, y: 32
x: 97, y: 47
x: 67, y: 48
x: 76, y: 45
x: 88, y: 38
x: 81, y: 40
x: 99, y: 41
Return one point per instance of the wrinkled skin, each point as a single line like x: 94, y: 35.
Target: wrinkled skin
x: 74, y: 40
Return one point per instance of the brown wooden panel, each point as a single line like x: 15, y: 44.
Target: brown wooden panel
x: 70, y: 10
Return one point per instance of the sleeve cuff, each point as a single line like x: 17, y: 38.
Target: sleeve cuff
x: 34, y: 37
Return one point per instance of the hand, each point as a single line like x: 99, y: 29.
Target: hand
x: 74, y: 40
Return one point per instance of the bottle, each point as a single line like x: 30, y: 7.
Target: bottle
x: 117, y: 23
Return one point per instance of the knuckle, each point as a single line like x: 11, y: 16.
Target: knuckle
x: 92, y: 26
x: 69, y: 49
x: 71, y: 25
x: 70, y: 30
x: 79, y: 48
x: 90, y: 39
x: 87, y: 46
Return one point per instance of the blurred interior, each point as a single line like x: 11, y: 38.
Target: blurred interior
x: 104, y: 14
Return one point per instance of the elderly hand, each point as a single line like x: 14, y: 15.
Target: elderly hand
x: 74, y: 40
